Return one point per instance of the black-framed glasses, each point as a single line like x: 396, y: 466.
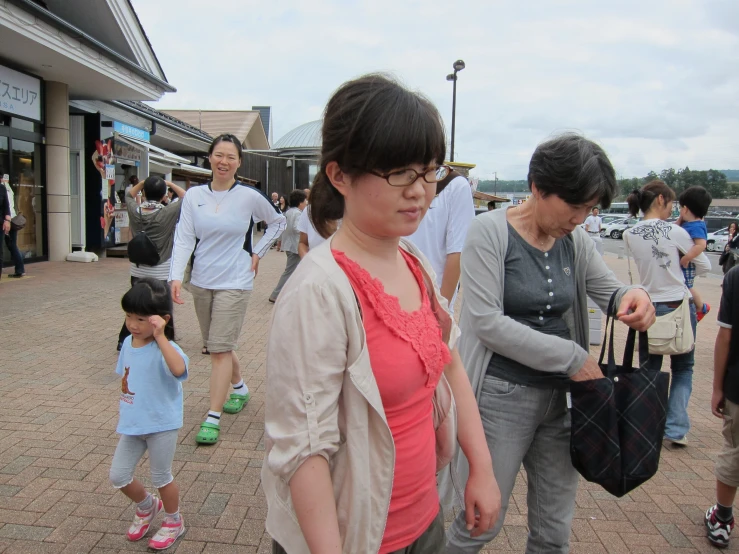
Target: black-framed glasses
x: 406, y: 177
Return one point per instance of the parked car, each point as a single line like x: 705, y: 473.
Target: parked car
x: 717, y: 241
x: 615, y: 229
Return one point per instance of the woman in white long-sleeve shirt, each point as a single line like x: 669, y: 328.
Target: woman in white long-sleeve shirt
x: 656, y: 246
x: 216, y: 224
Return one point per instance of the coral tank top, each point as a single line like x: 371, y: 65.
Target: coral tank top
x: 407, y: 355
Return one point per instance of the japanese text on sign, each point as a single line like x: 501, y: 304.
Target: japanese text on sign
x: 20, y: 94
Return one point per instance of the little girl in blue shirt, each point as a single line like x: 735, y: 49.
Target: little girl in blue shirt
x: 152, y: 368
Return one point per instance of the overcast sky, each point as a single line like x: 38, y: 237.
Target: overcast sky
x: 655, y: 82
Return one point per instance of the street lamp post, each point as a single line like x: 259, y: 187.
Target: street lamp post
x: 458, y: 66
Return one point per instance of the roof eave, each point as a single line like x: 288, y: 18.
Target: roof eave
x: 76, y: 33
x: 146, y: 37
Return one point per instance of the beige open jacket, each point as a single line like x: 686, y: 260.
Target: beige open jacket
x: 322, y: 400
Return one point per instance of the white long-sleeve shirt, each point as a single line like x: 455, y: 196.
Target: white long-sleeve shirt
x: 656, y: 246
x: 218, y: 227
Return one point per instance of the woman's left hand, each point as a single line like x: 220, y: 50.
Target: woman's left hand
x: 481, y: 501
x: 255, y: 264
x: 636, y: 310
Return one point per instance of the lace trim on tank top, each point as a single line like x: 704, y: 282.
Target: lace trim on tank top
x: 419, y: 328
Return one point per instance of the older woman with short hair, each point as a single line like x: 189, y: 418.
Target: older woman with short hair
x: 526, y: 272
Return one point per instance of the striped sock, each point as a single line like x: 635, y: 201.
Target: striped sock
x: 213, y: 418
x: 241, y: 388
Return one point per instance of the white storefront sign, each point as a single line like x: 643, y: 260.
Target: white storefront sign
x: 20, y: 94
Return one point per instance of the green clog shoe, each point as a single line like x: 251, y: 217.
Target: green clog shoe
x: 236, y: 403
x: 208, y: 433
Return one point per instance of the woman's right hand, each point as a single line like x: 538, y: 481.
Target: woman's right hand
x: 588, y: 372
x: 176, y: 288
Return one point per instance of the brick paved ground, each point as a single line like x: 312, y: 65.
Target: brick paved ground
x: 59, y: 411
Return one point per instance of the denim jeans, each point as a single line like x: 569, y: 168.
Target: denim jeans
x: 529, y: 426
x: 681, y: 384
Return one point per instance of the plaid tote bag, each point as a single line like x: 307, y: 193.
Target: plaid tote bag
x: 618, y: 422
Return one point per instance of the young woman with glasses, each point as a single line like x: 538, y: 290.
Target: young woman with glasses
x: 351, y: 438
x: 215, y: 230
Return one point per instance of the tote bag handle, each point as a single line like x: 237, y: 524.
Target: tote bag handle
x: 628, y: 359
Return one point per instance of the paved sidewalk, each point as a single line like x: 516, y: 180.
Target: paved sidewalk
x: 58, y: 414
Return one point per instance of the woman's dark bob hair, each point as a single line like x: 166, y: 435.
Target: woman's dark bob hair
x: 373, y: 123
x: 573, y: 168
x: 150, y: 297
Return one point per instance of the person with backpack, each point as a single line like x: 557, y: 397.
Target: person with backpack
x: 152, y: 226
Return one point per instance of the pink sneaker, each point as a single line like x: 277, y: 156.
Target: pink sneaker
x: 142, y: 521
x: 168, y: 534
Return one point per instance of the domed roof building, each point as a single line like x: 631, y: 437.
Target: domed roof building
x: 291, y: 163
x: 303, y: 141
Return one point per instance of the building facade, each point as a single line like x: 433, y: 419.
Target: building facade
x: 72, y: 75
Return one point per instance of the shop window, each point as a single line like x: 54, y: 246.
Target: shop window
x: 25, y: 125
x: 28, y: 192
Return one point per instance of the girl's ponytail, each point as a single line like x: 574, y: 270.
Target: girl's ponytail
x: 641, y: 199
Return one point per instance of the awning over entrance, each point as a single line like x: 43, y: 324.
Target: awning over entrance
x: 156, y: 154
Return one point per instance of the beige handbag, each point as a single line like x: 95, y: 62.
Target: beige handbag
x: 672, y: 334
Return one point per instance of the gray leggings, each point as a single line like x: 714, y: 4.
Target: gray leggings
x: 131, y: 448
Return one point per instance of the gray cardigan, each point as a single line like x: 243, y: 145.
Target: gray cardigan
x: 485, y: 329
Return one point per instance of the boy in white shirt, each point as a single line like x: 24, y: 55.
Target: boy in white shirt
x: 443, y: 230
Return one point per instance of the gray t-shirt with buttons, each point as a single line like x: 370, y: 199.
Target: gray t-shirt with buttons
x: 539, y: 288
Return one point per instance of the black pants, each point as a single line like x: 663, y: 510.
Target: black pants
x: 124, y: 330
x: 431, y: 542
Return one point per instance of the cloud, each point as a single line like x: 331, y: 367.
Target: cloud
x: 654, y: 82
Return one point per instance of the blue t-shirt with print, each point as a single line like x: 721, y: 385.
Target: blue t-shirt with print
x: 696, y: 229
x: 151, y: 397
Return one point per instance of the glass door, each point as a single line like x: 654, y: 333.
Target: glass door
x: 26, y: 182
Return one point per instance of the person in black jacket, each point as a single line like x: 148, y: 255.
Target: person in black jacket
x: 5, y: 209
